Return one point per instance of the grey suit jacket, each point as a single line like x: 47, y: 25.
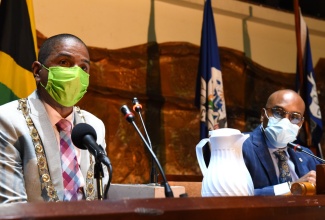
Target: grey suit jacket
x: 19, y: 175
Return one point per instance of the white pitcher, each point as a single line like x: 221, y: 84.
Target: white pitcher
x: 227, y: 174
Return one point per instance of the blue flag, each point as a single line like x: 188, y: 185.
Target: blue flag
x: 209, y: 89
x: 309, y: 93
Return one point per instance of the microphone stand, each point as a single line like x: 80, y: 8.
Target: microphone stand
x: 168, y: 190
x: 130, y: 118
x: 153, y: 173
x: 103, y: 158
x: 99, y: 174
x: 296, y: 147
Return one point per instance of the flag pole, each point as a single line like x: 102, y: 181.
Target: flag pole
x: 300, y: 69
x: 299, y: 48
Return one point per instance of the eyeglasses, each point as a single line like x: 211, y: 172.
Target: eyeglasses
x: 294, y: 117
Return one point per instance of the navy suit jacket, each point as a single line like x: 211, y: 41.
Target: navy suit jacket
x: 260, y: 165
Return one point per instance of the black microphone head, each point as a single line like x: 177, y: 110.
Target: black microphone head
x: 135, y: 101
x: 81, y: 130
x: 136, y: 105
x: 128, y: 115
x: 295, y: 147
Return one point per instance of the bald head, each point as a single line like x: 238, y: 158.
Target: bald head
x: 47, y: 47
x: 288, y: 100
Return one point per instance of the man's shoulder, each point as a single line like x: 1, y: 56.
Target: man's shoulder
x: 14, y: 104
x: 304, y: 148
x: 95, y: 122
x: 255, y: 140
x: 11, y: 116
x: 9, y: 108
x: 254, y: 134
x: 90, y: 117
x: 88, y: 114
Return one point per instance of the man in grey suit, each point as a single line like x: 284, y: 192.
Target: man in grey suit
x: 31, y: 168
x: 281, y: 120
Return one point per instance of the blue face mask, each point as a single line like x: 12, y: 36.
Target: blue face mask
x: 279, y: 132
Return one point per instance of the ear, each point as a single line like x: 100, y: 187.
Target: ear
x: 262, y: 114
x: 264, y: 119
x: 301, y: 123
x: 36, y: 67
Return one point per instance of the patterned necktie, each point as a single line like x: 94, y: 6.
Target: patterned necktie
x: 284, y: 172
x: 69, y: 163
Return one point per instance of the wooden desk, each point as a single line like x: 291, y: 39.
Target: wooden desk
x: 270, y: 207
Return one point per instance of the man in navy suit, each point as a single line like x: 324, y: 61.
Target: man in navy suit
x: 281, y: 120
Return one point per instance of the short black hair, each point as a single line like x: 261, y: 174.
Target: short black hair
x: 47, y: 47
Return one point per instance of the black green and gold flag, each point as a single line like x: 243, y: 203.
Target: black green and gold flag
x: 17, y: 49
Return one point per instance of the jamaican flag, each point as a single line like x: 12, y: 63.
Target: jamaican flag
x: 17, y: 49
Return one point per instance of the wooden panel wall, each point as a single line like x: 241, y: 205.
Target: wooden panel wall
x: 163, y: 78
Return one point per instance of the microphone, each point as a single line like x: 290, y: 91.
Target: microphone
x: 129, y: 116
x: 84, y: 137
x: 138, y: 107
x: 297, y: 147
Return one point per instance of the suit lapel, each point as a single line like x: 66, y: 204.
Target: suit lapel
x: 50, y: 144
x: 263, y: 155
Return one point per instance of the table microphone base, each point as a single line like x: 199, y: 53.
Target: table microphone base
x: 136, y: 191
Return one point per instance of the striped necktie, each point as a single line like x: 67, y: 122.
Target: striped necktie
x: 284, y: 171
x: 69, y: 163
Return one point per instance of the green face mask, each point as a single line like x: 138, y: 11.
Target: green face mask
x: 66, y: 85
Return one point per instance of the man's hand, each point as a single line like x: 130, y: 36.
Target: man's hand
x: 310, y: 177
